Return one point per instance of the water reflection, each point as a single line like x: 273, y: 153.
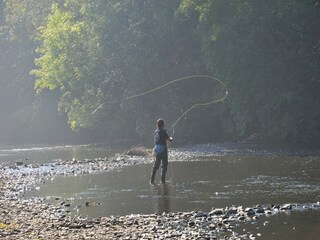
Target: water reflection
x: 160, y: 195
x: 196, y: 185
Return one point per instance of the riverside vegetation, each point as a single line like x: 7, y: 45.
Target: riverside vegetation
x: 82, y: 54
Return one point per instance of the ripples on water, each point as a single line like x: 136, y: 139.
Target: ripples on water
x: 202, y: 184
x: 201, y: 177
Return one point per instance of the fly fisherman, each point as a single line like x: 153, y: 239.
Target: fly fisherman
x: 160, y: 151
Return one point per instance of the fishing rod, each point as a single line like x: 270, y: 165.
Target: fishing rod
x: 207, y: 103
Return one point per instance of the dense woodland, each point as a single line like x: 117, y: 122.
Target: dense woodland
x: 66, y: 64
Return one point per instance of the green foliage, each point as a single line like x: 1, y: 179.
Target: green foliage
x: 267, y: 51
x: 69, y: 52
x: 91, y: 53
x: 97, y: 52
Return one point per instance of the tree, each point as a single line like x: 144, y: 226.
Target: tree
x: 261, y: 47
x: 104, y: 51
x: 25, y: 117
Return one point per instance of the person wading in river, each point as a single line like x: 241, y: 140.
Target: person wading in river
x: 160, y: 151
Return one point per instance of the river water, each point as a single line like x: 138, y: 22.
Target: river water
x: 47, y: 154
x: 199, y: 178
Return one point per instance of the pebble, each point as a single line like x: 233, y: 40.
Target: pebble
x: 33, y: 218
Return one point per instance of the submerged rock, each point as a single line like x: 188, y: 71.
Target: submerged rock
x: 286, y: 207
x: 138, y: 151
x: 218, y: 211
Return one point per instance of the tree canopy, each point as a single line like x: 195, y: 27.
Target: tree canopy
x: 82, y: 57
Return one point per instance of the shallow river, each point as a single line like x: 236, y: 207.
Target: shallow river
x: 200, y: 182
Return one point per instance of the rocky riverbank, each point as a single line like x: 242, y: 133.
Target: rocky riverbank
x: 34, y: 218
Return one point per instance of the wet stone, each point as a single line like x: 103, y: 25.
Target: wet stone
x: 34, y: 219
x: 260, y: 210
x: 286, y: 207
x: 250, y: 211
x: 217, y: 212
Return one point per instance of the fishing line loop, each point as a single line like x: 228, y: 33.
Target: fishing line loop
x: 167, y: 84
